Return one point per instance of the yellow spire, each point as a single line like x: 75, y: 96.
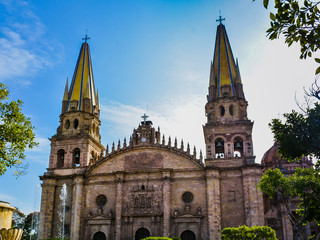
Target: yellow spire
x: 224, y: 73
x: 82, y: 85
x: 97, y: 100
x: 65, y: 95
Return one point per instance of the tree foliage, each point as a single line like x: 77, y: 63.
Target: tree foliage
x: 304, y: 185
x: 248, y: 233
x: 16, y: 133
x: 299, y: 134
x: 30, y: 230
x: 298, y: 21
x: 18, y: 219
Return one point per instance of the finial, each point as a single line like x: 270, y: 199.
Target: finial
x: 107, y: 149
x: 125, y: 142
x: 194, y: 151
x: 181, y: 146
x: 200, y: 155
x: 119, y: 145
x: 175, y: 143
x: 169, y: 142
x: 163, y: 141
x: 220, y: 19
x: 188, y: 148
x: 144, y: 118
x: 86, y: 38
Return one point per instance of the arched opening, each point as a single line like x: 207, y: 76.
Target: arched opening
x: 60, y: 159
x: 67, y: 124
x: 76, y: 157
x: 99, y: 236
x: 142, y: 233
x: 188, y: 235
x: 75, y: 123
x: 238, y: 147
x: 222, y: 111
x: 219, y: 148
x: 231, y: 110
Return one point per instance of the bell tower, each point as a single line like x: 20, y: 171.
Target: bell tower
x: 77, y: 141
x: 232, y: 174
x: 228, y: 130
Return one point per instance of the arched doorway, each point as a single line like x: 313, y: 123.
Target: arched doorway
x: 188, y: 235
x: 142, y: 233
x: 99, y: 236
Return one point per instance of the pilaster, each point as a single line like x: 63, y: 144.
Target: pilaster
x: 213, y: 201
x: 119, y: 182
x: 166, y: 202
x: 46, y: 212
x: 253, y: 198
x: 76, y: 208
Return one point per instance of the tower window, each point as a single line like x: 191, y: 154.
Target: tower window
x: 219, y: 148
x: 222, y: 111
x: 231, y: 110
x: 238, y: 147
x: 60, y: 160
x: 76, y: 157
x: 67, y: 124
x: 75, y: 123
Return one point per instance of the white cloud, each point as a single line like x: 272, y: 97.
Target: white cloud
x: 180, y: 117
x: 22, y: 49
x: 6, y: 197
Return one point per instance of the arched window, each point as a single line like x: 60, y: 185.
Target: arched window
x: 219, y: 148
x: 76, y: 157
x: 75, y: 123
x: 238, y: 147
x: 60, y: 159
x: 231, y: 110
x: 222, y: 111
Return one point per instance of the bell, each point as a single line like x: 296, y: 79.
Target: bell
x: 219, y: 144
x: 237, y: 145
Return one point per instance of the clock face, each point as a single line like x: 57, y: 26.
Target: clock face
x: 143, y: 139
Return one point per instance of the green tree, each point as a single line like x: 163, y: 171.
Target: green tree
x: 18, y: 219
x: 304, y: 185
x: 16, y: 133
x: 298, y: 21
x: 248, y: 233
x: 299, y: 134
x: 30, y: 230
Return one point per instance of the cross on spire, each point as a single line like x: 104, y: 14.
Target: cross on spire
x: 144, y: 118
x: 86, y: 38
x: 220, y: 18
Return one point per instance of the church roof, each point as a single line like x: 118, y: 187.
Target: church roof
x: 224, y: 69
x: 82, y: 84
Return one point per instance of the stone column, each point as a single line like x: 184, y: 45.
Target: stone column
x: 119, y: 182
x: 213, y: 203
x: 253, y: 199
x: 47, y: 205
x: 76, y: 208
x: 166, y: 202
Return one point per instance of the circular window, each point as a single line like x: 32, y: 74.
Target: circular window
x: 187, y: 197
x: 101, y: 200
x: 67, y: 124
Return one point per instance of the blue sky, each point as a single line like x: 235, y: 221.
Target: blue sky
x: 148, y: 56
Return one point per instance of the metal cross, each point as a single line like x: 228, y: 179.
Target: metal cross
x: 220, y: 18
x: 86, y: 38
x: 144, y: 118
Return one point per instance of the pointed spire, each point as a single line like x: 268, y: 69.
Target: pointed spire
x: 181, y: 146
x: 194, y: 152
x: 119, y: 145
x: 113, y: 148
x: 82, y: 84
x: 107, y: 149
x: 163, y: 140
x: 124, y: 143
x: 224, y: 74
x: 66, y: 93
x: 169, y: 142
x: 175, y: 143
x: 200, y: 155
x: 97, y: 100
x: 188, y: 148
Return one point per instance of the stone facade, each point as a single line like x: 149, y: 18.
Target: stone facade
x: 149, y: 185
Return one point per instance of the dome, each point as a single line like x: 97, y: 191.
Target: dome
x: 271, y: 156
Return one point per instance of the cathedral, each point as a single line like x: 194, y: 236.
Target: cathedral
x: 147, y: 186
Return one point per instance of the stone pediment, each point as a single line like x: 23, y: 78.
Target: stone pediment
x: 145, y: 158
x: 99, y: 219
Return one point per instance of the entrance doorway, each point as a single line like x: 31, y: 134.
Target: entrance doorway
x: 142, y: 233
x: 188, y: 235
x: 99, y: 236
